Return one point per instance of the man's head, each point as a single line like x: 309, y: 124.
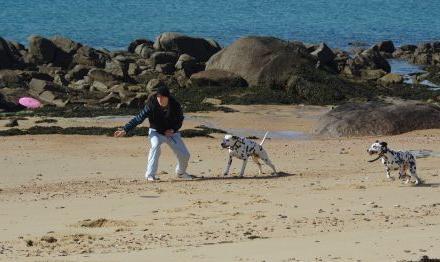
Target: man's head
x: 163, y: 95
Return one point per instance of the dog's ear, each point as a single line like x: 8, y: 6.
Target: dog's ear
x: 235, y: 137
x: 384, y: 144
x: 377, y: 141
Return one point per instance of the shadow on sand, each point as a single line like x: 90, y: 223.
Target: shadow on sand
x: 230, y: 177
x: 428, y: 185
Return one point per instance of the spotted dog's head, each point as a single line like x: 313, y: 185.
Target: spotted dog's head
x: 229, y: 141
x: 378, y: 148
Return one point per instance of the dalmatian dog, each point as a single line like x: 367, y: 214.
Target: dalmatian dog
x: 243, y: 148
x: 401, y: 160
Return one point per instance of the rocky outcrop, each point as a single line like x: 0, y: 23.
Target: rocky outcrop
x: 90, y: 57
x: 10, y: 56
x: 378, y: 118
x: 199, y: 48
x: 188, y: 65
x: 386, y: 47
x: 9, y: 98
x: 423, y: 54
x: 133, y: 45
x: 370, y: 59
x: 100, y: 75
x: 391, y: 79
x: 13, y: 78
x: 48, y: 92
x: 324, y: 54
x: 57, y: 70
x: 41, y: 50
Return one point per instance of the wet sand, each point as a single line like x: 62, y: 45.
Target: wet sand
x: 84, y: 198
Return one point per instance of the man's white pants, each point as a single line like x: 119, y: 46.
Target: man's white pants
x: 176, y: 144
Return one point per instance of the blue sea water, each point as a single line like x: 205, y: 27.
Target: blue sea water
x: 114, y: 23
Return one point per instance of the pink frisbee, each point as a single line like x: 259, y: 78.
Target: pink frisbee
x: 29, y: 102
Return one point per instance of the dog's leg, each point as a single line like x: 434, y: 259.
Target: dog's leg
x: 387, y: 168
x: 260, y: 170
x: 228, y: 166
x: 243, y: 167
x: 402, y: 171
x: 412, y: 170
x: 266, y: 160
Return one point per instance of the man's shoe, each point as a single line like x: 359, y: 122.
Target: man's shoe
x: 152, y: 178
x: 185, y: 176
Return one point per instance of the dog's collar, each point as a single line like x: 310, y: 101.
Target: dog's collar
x: 377, y: 158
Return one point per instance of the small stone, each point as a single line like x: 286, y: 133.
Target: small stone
x: 49, y: 239
x: 12, y: 123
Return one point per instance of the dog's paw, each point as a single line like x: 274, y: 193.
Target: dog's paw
x: 417, y: 182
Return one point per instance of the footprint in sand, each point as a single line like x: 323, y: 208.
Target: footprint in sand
x: 102, y: 222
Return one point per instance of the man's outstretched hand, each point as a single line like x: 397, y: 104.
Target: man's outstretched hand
x: 119, y: 133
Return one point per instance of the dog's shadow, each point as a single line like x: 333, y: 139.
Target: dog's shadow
x: 430, y: 185
x: 230, y: 177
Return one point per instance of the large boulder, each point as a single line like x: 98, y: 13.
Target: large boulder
x: 58, y: 50
x: 404, y: 51
x: 12, y: 78
x: 390, y: 79
x: 9, y: 55
x: 378, y: 118
x: 372, y: 74
x: 66, y: 49
x: 144, y: 50
x: 100, y: 75
x: 167, y: 68
x: 37, y: 86
x: 199, y: 48
x: 41, y: 50
x: 48, y: 92
x: 78, y: 72
x: 9, y: 98
x: 188, y: 65
x: 66, y: 45
x: 265, y: 61
x: 163, y: 58
x: 427, y: 54
x: 370, y: 59
x: 216, y: 77
x: 117, y: 68
x: 90, y: 57
x: 386, y: 46
x: 132, y: 46
x: 324, y: 54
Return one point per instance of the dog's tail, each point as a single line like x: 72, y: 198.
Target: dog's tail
x: 264, y: 138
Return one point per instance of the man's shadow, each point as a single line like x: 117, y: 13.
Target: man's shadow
x: 230, y: 177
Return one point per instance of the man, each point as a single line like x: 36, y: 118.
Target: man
x: 165, y: 116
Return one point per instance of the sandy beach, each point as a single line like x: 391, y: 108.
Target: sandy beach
x: 84, y: 198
